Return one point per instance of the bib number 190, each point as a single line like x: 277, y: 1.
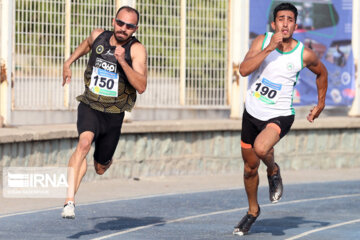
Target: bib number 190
x: 265, y: 91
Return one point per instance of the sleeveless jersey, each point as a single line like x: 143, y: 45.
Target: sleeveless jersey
x: 107, y: 88
x: 271, y: 92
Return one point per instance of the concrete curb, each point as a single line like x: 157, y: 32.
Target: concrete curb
x: 61, y: 131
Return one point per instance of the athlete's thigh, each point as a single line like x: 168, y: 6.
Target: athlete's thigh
x: 87, y: 121
x: 267, y: 139
x: 107, y: 141
x: 251, y: 127
x: 105, y: 146
x: 251, y: 160
x: 274, y: 130
x: 87, y: 136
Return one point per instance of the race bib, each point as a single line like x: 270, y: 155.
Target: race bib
x: 266, y: 91
x: 104, y: 83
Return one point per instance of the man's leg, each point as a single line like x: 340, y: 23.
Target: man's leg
x: 251, y: 182
x: 82, y: 172
x: 77, y: 164
x: 105, y: 144
x: 251, y: 178
x: 264, y: 147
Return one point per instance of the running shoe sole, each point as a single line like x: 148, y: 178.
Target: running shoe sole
x: 275, y: 186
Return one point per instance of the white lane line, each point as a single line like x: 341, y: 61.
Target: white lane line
x: 29, y: 212
x: 323, y: 228
x: 222, y: 212
x: 170, y: 221
x: 118, y: 200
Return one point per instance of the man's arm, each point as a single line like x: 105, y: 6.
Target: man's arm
x: 312, y: 62
x: 137, y: 74
x: 256, y: 56
x: 81, y: 50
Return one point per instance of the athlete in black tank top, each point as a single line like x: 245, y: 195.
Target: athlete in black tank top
x: 102, y: 57
x: 116, y: 72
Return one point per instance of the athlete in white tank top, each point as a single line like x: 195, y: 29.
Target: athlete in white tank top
x: 271, y: 93
x: 274, y: 60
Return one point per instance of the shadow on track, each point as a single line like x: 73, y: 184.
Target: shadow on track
x: 278, y: 226
x: 115, y: 223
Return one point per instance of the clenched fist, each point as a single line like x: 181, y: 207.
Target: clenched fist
x: 276, y: 41
x: 119, y: 54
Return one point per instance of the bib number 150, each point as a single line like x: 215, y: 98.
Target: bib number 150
x: 104, y: 82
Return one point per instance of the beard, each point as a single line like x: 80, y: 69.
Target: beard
x: 120, y: 39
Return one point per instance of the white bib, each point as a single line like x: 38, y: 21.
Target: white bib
x: 266, y: 91
x: 104, y: 83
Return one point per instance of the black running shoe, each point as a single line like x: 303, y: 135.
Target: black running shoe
x: 275, y: 186
x: 243, y: 227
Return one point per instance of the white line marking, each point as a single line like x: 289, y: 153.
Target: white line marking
x: 29, y: 212
x: 170, y: 221
x: 118, y: 200
x: 323, y: 228
x: 222, y: 212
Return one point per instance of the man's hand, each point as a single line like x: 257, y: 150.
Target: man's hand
x: 66, y: 74
x: 276, y: 41
x: 120, y: 54
x: 314, y: 113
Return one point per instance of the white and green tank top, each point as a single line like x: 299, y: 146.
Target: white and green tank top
x: 271, y: 92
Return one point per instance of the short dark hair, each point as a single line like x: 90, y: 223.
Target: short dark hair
x: 285, y: 6
x: 129, y: 9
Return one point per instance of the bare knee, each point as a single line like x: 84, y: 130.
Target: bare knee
x: 261, y: 151
x: 84, y: 145
x: 250, y: 170
x: 101, y: 169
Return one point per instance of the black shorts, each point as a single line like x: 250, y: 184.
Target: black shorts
x: 251, y: 127
x: 106, y: 128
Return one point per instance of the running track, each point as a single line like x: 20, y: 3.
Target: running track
x: 328, y: 211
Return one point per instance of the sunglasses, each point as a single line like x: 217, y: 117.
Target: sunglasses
x: 128, y: 25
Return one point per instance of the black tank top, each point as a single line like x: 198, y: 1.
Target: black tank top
x: 102, y: 74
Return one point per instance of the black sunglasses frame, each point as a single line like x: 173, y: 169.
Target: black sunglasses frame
x: 122, y: 23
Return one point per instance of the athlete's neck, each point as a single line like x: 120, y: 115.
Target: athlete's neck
x: 287, y: 45
x: 115, y: 43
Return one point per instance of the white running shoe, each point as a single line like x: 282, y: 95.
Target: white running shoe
x: 68, y: 210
